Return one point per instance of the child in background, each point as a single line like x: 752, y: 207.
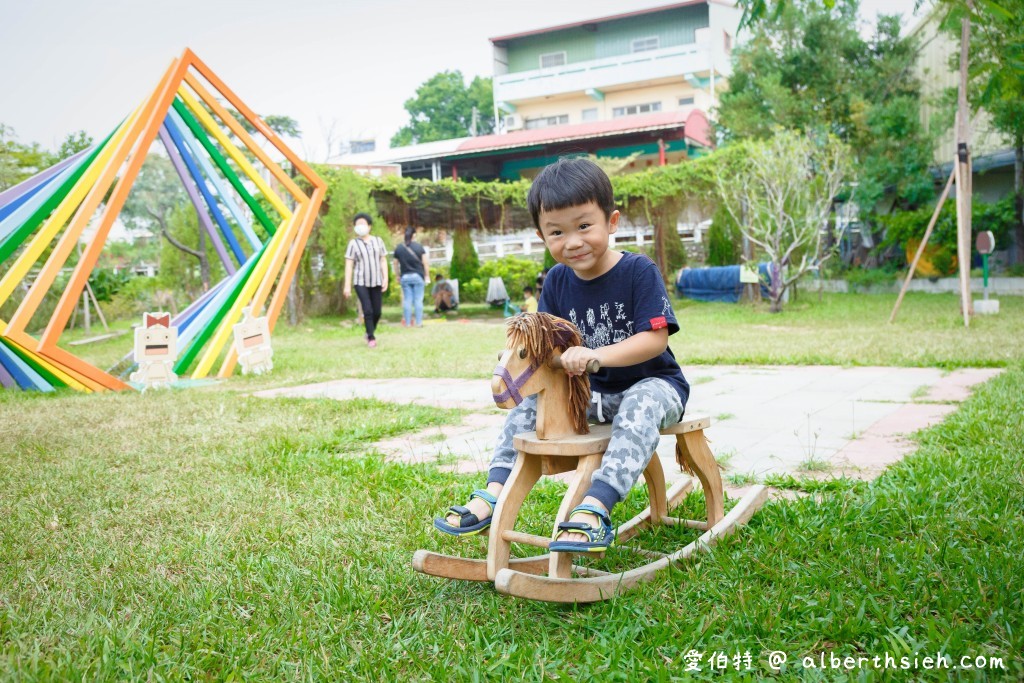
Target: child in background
x: 529, y: 302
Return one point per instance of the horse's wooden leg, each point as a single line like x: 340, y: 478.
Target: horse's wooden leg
x: 561, y: 563
x: 693, y: 447
x: 525, y: 474
x: 654, y: 476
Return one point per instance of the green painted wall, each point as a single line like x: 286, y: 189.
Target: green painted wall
x: 673, y: 27
x: 524, y: 54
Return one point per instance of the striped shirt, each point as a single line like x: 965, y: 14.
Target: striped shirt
x: 366, y: 255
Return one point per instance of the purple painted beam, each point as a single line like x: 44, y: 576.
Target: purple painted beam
x: 6, y: 380
x: 197, y: 201
x: 38, y: 179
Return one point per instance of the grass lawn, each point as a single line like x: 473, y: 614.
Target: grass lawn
x: 205, y: 534
x: 842, y: 329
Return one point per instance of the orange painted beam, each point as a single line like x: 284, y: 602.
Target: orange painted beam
x: 242, y: 134
x: 298, y: 227
x: 295, y: 256
x: 141, y: 135
x: 27, y: 343
x: 259, y: 123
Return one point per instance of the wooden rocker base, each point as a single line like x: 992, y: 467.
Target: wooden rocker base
x: 596, y: 588
x: 552, y: 577
x: 468, y: 569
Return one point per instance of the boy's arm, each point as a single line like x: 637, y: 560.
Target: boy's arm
x: 637, y: 349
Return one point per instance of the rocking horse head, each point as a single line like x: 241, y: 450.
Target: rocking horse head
x: 528, y: 365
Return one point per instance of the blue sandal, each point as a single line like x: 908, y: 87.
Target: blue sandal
x: 469, y: 524
x: 600, y: 538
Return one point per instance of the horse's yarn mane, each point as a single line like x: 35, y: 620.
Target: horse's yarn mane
x: 542, y: 333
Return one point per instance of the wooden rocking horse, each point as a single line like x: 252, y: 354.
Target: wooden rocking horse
x: 563, y: 442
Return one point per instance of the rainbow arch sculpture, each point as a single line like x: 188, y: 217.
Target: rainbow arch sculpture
x: 52, y: 209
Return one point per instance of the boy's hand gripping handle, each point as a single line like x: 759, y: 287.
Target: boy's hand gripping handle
x: 592, y: 367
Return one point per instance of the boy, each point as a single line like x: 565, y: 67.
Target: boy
x: 619, y: 303
x: 529, y: 302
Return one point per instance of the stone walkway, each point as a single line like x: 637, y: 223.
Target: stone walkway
x: 804, y: 420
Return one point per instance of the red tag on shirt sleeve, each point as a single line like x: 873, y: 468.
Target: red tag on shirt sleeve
x: 658, y: 323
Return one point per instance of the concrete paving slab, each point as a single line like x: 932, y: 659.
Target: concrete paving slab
x: 856, y: 419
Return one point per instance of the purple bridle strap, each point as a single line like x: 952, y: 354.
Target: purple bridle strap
x: 512, y: 386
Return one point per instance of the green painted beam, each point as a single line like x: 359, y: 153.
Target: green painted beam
x: 204, y: 335
x: 31, y: 362
x: 14, y: 240
x: 222, y: 163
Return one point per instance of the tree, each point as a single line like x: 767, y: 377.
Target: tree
x: 808, y: 68
x: 73, y: 144
x: 781, y: 197
x: 184, y: 248
x: 155, y: 198
x: 443, y: 109
x: 20, y: 161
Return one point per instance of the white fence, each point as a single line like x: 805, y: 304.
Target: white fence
x: 528, y: 245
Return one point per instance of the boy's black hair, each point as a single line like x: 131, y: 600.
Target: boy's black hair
x: 527, y: 288
x: 364, y: 216
x: 570, y: 182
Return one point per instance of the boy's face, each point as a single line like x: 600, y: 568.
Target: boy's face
x: 577, y: 237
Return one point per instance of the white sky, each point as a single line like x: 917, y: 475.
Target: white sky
x: 67, y: 65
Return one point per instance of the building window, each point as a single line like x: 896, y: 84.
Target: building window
x: 645, y: 44
x: 636, y: 109
x: 545, y: 121
x: 552, y: 59
x: 685, y: 101
x: 589, y: 114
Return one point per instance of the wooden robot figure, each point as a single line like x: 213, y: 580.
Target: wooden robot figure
x: 252, y: 342
x: 156, y: 349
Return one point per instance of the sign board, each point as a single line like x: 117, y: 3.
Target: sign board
x: 985, y: 243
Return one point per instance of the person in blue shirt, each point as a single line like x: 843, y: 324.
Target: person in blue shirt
x: 619, y: 303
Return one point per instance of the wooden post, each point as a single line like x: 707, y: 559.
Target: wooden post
x: 963, y: 180
x: 924, y: 243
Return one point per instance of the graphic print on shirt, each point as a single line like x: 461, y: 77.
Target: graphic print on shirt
x: 601, y: 329
x: 598, y: 329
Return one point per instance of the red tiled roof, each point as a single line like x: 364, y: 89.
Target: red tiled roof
x: 694, y: 125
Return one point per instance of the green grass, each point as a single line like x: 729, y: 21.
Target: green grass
x: 228, y: 537
x: 205, y: 534
x: 843, y: 329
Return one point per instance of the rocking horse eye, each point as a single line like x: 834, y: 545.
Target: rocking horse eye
x: 522, y: 352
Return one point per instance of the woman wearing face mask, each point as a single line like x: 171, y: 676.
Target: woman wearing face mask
x: 366, y: 267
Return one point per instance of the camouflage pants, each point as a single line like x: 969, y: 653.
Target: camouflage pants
x: 636, y: 415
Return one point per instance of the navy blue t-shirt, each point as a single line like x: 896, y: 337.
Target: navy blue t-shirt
x: 628, y: 299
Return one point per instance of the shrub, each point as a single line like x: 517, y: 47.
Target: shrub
x: 106, y: 283
x: 724, y: 239
x: 905, y: 226
x: 865, y: 278
x: 516, y: 272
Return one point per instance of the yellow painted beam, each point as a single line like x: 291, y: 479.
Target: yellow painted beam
x: 72, y: 379
x: 242, y: 134
x: 275, y: 250
x: 45, y: 235
x: 235, y: 153
x: 140, y: 136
